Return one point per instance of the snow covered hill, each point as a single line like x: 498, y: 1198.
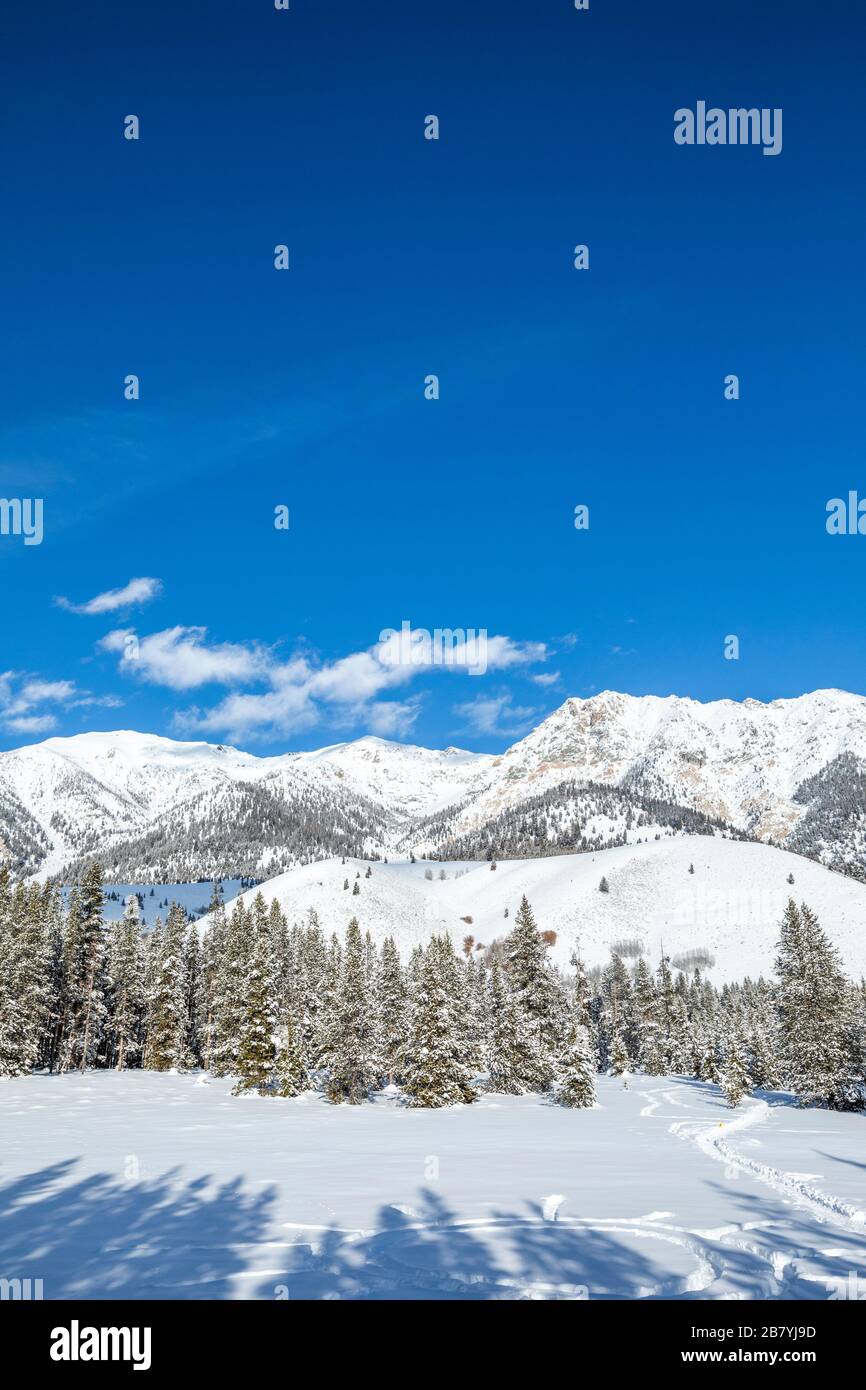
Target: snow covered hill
x: 791, y: 772
x: 727, y: 910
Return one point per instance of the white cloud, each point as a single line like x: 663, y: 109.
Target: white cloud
x: 495, y: 714
x: 468, y: 649
x: 180, y: 658
x: 301, y: 691
x: 391, y: 718
x: 31, y: 723
x: 546, y: 678
x: 39, y: 692
x: 137, y: 591
x: 26, y: 701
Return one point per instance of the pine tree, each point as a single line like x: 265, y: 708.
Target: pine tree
x: 854, y: 1091
x: 24, y: 977
x: 256, y: 1051
x: 310, y: 988
x: 735, y: 1080
x: 577, y: 1082
x: 228, y: 990
x: 167, y: 1019
x: 435, y: 1073
x: 53, y: 938
x: 536, y: 992
x: 212, y: 950
x: 84, y: 1006
x: 94, y: 1006
x: 194, y: 1002
x: 392, y: 1006
x: 813, y: 1009
x: 761, y: 1032
x: 619, y: 1058
x: 290, y: 1074
x: 650, y: 1051
x: 126, y: 984
x: 354, y: 1067
x: 324, y: 1038
x: 515, y: 1065
x: 616, y: 1012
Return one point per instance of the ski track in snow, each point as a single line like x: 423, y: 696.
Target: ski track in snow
x: 790, y: 1185
x: 784, y: 1273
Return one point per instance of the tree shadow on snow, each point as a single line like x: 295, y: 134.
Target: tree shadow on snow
x: 429, y: 1254
x: 97, y: 1236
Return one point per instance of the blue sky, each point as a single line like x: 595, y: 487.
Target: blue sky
x: 305, y: 388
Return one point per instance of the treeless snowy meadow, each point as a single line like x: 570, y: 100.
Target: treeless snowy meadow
x: 143, y: 1186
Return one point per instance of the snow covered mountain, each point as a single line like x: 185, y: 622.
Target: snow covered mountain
x: 601, y: 771
x: 789, y: 772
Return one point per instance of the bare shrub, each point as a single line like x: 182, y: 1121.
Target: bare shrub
x: 690, y: 961
x: 628, y: 947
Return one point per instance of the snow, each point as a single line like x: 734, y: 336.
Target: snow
x: 139, y: 1185
x: 408, y: 780
x: 731, y: 906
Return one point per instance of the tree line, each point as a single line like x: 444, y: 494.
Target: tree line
x: 282, y: 1008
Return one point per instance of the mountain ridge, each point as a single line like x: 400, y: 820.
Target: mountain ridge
x: 789, y: 771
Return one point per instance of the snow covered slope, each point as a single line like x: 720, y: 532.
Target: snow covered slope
x: 791, y: 771
x: 729, y: 908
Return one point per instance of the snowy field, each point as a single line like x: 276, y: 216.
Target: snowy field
x: 151, y: 1186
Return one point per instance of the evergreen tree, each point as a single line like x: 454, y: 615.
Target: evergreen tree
x: 93, y: 1004
x: 126, y: 984
x: 212, y: 951
x: 649, y: 1039
x: 84, y: 1007
x: 228, y: 990
x: 813, y: 1003
x: 194, y: 1002
x: 354, y: 1067
x: 515, y: 1065
x: 392, y: 1005
x: 24, y: 978
x: 290, y: 1074
x: 616, y: 1011
x: 167, y: 1020
x: 735, y: 1080
x: 619, y: 1058
x: 327, y: 1014
x: 434, y: 1072
x: 577, y: 1083
x: 256, y: 1057
x: 536, y: 992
